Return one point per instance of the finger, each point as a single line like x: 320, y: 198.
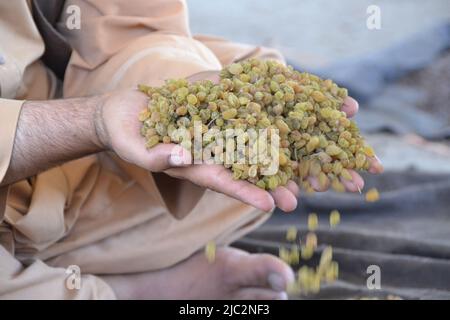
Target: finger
x: 293, y: 187
x: 354, y: 185
x: 219, y: 179
x: 163, y: 156
x: 375, y: 165
x: 314, y: 182
x: 350, y: 106
x: 284, y: 199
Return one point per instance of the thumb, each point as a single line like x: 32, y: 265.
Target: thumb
x: 165, y: 156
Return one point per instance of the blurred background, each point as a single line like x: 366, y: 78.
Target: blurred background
x: 324, y: 35
x: 400, y: 74
x: 315, y: 31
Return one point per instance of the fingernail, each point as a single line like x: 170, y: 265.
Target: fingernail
x: 379, y: 160
x: 379, y: 164
x: 356, y: 186
x: 178, y: 157
x: 282, y: 296
x: 352, y: 186
x: 276, y: 282
x: 175, y: 160
x: 273, y: 206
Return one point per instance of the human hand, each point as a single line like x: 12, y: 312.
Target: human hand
x: 118, y: 128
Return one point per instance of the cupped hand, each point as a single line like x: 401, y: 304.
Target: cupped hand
x: 118, y: 129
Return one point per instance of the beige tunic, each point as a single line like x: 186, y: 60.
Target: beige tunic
x: 100, y: 213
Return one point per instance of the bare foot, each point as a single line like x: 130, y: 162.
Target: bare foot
x: 234, y: 274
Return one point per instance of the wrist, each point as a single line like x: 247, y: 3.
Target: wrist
x: 100, y: 136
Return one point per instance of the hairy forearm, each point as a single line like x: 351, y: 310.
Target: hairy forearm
x: 52, y: 132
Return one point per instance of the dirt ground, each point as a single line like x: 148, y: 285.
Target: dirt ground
x: 434, y: 81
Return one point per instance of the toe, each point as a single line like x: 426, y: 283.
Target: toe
x: 259, y: 270
x: 259, y: 294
